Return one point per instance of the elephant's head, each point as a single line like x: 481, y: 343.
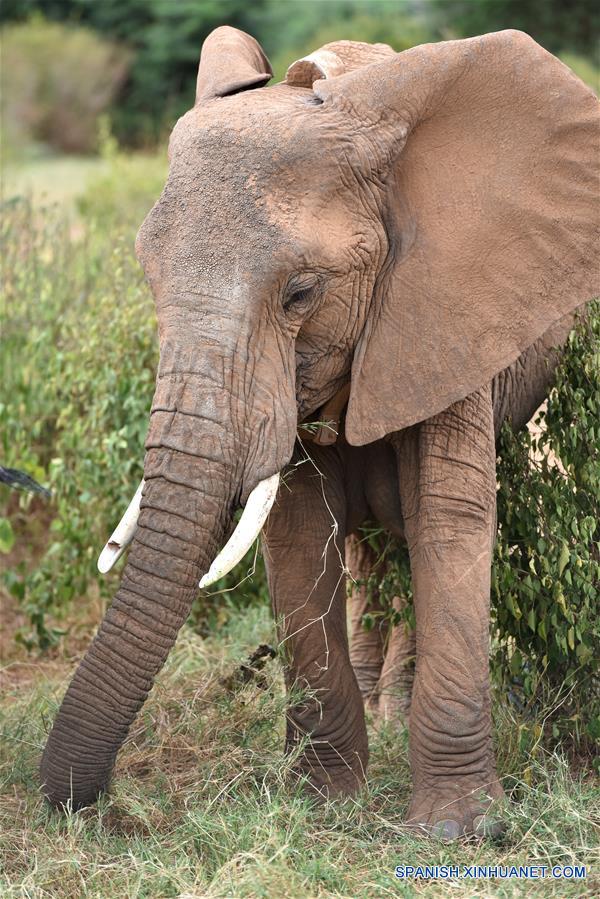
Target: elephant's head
x: 407, y: 223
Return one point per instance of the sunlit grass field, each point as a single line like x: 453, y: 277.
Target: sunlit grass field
x: 201, y: 804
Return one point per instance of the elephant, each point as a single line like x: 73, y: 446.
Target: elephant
x: 359, y: 273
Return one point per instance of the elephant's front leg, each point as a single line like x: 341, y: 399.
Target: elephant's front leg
x: 304, y: 554
x: 448, y: 486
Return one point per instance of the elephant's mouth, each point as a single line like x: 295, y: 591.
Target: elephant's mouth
x: 253, y: 517
x: 256, y: 510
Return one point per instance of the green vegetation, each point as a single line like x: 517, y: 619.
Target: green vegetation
x: 157, y: 42
x: 79, y: 349
x: 546, y: 578
x: 546, y: 574
x: 56, y: 81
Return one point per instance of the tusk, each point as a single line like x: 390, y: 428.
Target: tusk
x: 247, y: 530
x: 122, y: 534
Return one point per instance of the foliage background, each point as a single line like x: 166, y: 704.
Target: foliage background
x: 79, y: 347
x: 161, y: 39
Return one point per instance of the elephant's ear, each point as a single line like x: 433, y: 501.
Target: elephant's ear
x: 335, y: 59
x: 231, y: 61
x: 489, y: 147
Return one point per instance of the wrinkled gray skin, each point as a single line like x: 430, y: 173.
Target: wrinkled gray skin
x: 264, y: 254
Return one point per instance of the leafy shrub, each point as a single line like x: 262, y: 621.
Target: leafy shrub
x: 79, y: 351
x: 546, y: 578
x: 164, y: 38
x: 57, y: 79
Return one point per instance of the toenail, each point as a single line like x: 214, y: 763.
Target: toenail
x: 446, y: 830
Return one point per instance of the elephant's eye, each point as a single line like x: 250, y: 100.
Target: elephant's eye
x: 299, y: 295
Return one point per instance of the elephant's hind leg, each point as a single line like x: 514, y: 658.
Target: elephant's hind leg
x: 382, y: 656
x: 304, y: 555
x: 366, y: 644
x: 397, y: 675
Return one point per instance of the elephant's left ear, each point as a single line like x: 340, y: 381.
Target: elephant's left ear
x: 489, y: 148
x: 335, y: 59
x: 231, y: 61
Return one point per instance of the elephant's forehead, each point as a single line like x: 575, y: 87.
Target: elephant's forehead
x: 255, y: 145
x: 256, y: 174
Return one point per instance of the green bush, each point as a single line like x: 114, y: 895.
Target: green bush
x: 79, y: 351
x: 546, y: 577
x: 164, y: 38
x: 57, y: 79
x: 546, y: 572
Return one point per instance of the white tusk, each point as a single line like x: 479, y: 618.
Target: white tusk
x: 248, y: 528
x: 122, y: 534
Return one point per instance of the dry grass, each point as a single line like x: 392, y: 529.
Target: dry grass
x: 201, y: 804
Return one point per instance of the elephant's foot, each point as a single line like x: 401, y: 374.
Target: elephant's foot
x: 454, y: 808
x: 329, y: 772
x: 338, y: 783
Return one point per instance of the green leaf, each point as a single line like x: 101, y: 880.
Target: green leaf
x: 516, y: 662
x: 7, y: 537
x: 563, y: 559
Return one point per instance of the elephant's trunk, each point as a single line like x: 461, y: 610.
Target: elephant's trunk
x: 193, y: 476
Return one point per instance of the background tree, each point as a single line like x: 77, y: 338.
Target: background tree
x: 164, y: 36
x: 555, y: 24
